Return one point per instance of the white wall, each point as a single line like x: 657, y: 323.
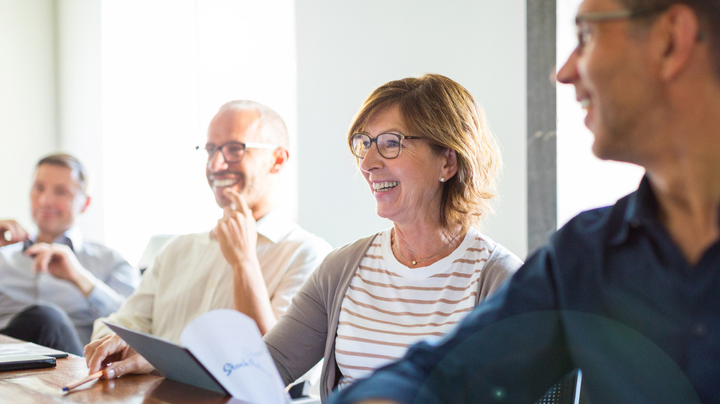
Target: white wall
x: 50, y: 97
x: 129, y: 86
x: 80, y: 99
x: 27, y: 100
x: 348, y: 48
x: 158, y: 69
x: 167, y: 66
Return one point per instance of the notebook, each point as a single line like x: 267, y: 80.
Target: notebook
x: 223, y: 352
x: 28, y: 348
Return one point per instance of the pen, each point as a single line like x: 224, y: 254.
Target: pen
x: 82, y: 381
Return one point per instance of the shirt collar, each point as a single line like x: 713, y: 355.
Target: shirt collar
x: 641, y: 210
x: 72, y: 238
x: 274, y: 226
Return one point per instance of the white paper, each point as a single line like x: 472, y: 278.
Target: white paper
x: 229, y: 345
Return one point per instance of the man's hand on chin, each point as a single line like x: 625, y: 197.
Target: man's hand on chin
x: 237, y: 236
x: 236, y: 232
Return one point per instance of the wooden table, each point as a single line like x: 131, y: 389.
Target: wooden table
x: 45, y: 386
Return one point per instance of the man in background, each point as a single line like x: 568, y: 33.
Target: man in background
x: 254, y: 260
x: 54, y: 284
x: 629, y: 294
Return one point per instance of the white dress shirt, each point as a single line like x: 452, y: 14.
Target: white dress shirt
x: 20, y: 287
x: 190, y: 277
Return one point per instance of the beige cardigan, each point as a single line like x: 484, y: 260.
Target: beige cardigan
x: 306, y: 332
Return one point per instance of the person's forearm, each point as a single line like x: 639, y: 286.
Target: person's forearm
x: 83, y: 283
x: 250, y: 295
x: 123, y: 278
x: 104, y: 300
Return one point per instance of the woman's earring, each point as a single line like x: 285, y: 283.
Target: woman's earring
x: 442, y: 179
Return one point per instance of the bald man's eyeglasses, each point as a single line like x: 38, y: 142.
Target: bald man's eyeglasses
x: 233, y: 152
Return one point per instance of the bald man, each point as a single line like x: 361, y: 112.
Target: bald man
x: 254, y: 260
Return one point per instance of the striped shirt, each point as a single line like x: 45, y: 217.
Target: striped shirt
x: 389, y: 306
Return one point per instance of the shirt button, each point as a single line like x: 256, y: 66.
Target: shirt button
x: 700, y: 330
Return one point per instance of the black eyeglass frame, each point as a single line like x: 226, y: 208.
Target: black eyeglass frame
x: 601, y: 16
x: 399, y: 136
x: 212, y: 149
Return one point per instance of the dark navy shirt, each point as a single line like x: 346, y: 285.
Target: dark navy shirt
x: 610, y: 294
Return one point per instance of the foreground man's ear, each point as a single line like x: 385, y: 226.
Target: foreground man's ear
x: 680, y: 32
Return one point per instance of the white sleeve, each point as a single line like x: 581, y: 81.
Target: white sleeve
x: 109, y: 293
x: 303, y: 262
x: 137, y: 311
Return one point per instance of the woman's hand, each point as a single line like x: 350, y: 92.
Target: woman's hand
x: 115, y: 356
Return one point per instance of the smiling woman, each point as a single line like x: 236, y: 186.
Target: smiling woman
x: 429, y: 160
x: 437, y: 109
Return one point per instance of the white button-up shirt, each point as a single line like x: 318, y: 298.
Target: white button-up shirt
x: 190, y: 277
x: 20, y: 287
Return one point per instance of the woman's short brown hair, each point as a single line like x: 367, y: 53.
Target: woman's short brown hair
x: 445, y: 114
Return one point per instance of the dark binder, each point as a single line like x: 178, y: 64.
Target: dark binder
x: 173, y: 361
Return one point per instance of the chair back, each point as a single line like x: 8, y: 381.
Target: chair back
x: 566, y: 391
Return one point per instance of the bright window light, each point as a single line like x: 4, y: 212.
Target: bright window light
x: 167, y: 66
x: 583, y: 181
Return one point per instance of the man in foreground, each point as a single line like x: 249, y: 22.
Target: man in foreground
x: 254, y: 260
x: 630, y: 294
x: 54, y: 284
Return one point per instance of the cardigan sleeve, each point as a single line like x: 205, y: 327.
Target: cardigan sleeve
x: 297, y: 341
x: 501, y: 265
x: 306, y: 332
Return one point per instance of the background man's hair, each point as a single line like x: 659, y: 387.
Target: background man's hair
x: 708, y: 11
x: 71, y: 162
x: 273, y: 126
